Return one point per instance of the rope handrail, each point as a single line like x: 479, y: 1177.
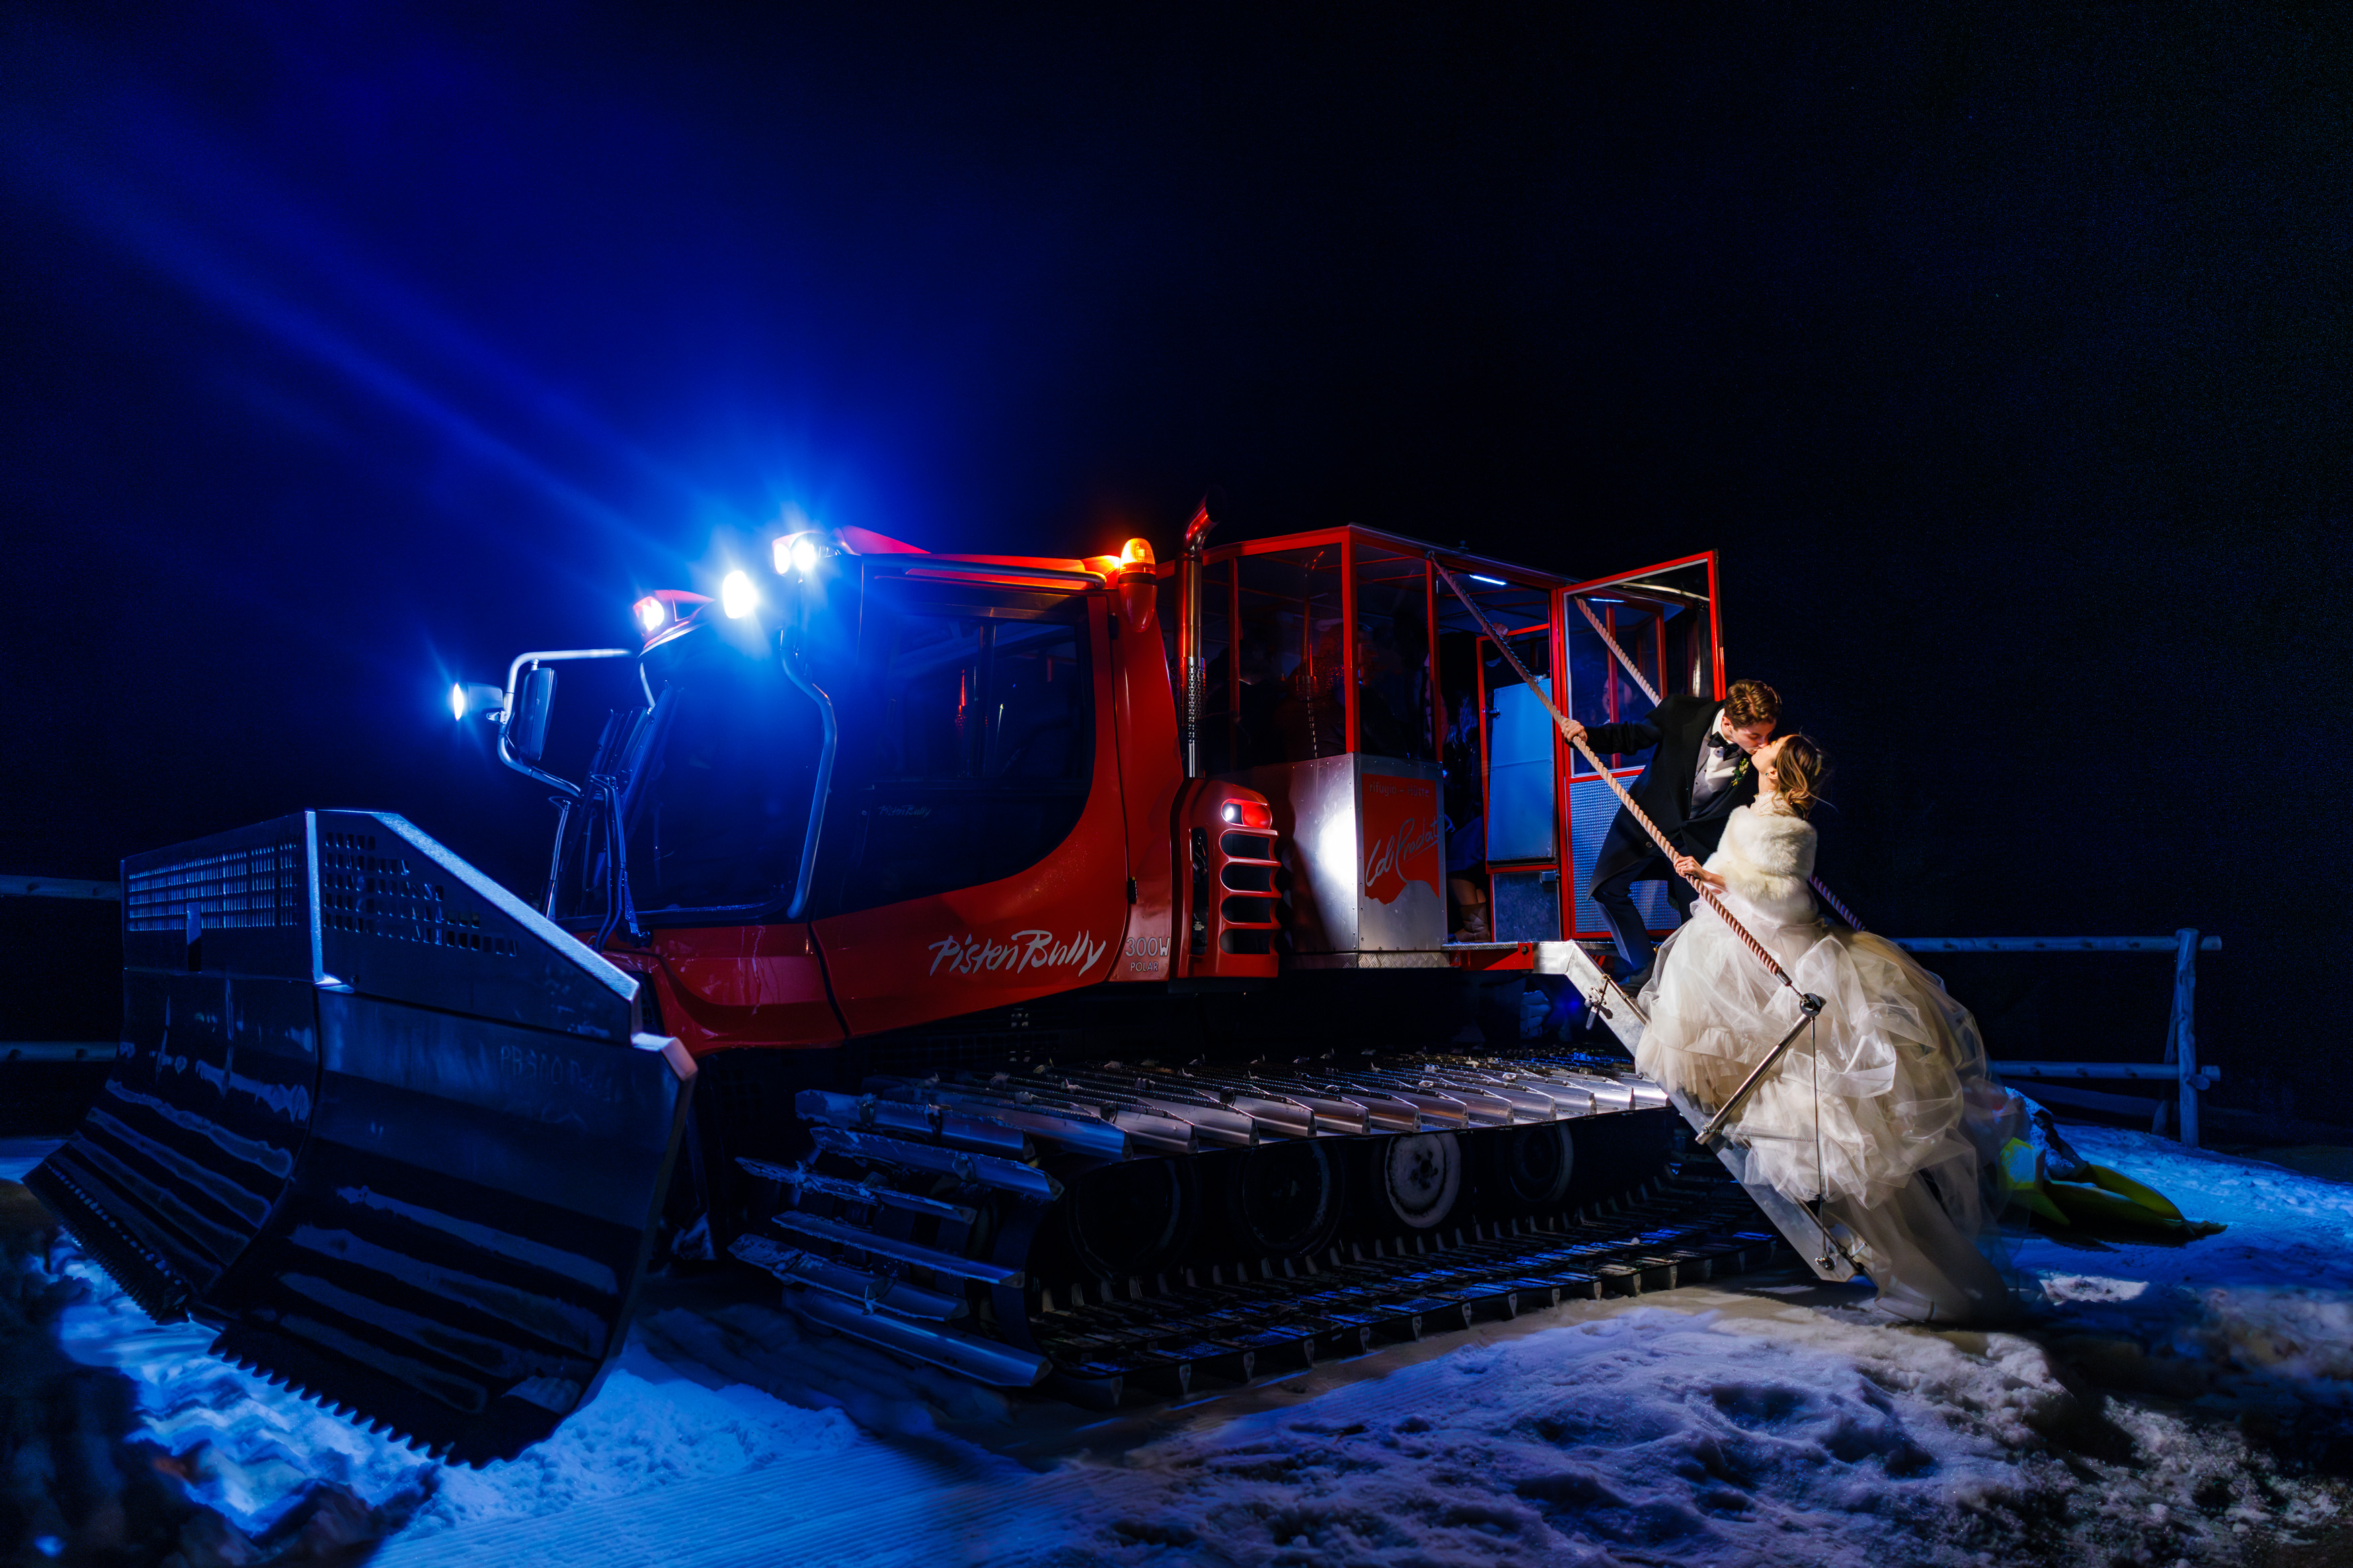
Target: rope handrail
x: 1651, y: 691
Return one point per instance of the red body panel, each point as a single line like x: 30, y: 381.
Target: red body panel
x: 1404, y: 841
x: 738, y: 985
x: 1052, y: 928
x: 1151, y: 774
x: 1494, y: 955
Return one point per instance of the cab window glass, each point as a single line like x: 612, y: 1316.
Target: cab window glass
x: 716, y: 781
x: 969, y: 746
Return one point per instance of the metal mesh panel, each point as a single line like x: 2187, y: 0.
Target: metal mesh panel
x: 389, y: 895
x: 1591, y: 808
x: 257, y: 884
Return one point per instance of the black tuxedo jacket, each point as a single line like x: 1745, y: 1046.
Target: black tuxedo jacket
x: 1676, y: 727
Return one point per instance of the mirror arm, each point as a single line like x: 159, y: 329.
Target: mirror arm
x: 506, y: 712
x: 551, y: 656
x: 507, y: 755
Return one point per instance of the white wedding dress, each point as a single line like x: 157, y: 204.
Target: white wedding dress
x: 1885, y: 1108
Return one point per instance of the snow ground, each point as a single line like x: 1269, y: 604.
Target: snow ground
x: 2188, y: 1404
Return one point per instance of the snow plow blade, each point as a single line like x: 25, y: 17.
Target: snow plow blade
x: 392, y: 1133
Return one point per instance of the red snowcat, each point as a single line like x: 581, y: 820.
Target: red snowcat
x: 1076, y: 972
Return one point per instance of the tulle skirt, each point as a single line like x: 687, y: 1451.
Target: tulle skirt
x: 1885, y: 1108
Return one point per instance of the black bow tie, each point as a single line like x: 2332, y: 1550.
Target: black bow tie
x: 1724, y: 748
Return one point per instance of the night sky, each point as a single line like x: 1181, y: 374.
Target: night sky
x: 2002, y: 353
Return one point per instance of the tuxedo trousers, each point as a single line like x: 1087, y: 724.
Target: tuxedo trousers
x: 1629, y: 856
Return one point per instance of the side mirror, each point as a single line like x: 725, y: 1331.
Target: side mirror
x: 534, y: 700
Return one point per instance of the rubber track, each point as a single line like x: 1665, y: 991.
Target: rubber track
x: 1692, y: 1227
x: 1224, y: 1319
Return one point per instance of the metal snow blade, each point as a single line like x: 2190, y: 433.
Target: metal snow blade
x: 1817, y: 1244
x: 391, y: 1133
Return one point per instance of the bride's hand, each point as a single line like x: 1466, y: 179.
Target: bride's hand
x: 1693, y: 871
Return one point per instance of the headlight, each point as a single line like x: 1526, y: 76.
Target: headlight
x: 801, y: 552
x: 1249, y: 813
x: 471, y: 697
x: 736, y: 594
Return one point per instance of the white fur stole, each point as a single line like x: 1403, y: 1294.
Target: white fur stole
x: 1765, y: 856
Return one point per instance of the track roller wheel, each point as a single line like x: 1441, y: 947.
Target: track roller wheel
x: 1284, y: 1200
x: 1532, y: 1166
x: 1132, y: 1218
x: 1421, y: 1177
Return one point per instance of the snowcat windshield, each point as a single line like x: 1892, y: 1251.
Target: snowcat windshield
x: 716, y: 779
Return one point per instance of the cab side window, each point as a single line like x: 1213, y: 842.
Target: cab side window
x: 969, y: 744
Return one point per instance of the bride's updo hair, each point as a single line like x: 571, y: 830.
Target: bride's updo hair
x: 1798, y: 768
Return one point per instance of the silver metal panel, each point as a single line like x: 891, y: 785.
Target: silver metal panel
x: 1320, y: 814
x: 250, y: 896
x: 1315, y: 823
x: 404, y: 919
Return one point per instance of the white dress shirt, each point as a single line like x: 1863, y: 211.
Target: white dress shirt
x: 1716, y: 770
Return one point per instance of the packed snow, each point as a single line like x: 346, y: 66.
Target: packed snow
x: 2165, y: 1404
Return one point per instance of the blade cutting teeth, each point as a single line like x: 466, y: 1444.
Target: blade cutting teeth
x: 144, y: 1278
x: 394, y: 1413
x: 342, y: 1410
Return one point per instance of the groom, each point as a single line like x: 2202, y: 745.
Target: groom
x: 1699, y: 772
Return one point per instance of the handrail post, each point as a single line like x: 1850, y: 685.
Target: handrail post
x: 1190, y: 665
x: 2184, y: 1031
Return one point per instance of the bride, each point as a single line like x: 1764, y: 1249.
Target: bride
x: 1885, y: 1108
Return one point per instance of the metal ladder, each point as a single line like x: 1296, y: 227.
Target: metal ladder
x: 1822, y: 1249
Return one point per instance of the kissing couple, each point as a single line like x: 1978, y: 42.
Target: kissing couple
x: 1886, y: 1111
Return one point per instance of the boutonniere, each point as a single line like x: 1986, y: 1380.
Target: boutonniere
x: 1739, y: 769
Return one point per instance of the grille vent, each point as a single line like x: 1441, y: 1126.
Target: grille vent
x: 1591, y: 809
x: 370, y: 894
x: 259, y: 885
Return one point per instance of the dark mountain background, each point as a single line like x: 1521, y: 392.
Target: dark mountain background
x: 2000, y: 351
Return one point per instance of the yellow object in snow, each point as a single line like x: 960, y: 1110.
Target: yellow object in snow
x: 2109, y: 1200
x: 2021, y: 1181
x: 2118, y: 1200
x: 2148, y: 1198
